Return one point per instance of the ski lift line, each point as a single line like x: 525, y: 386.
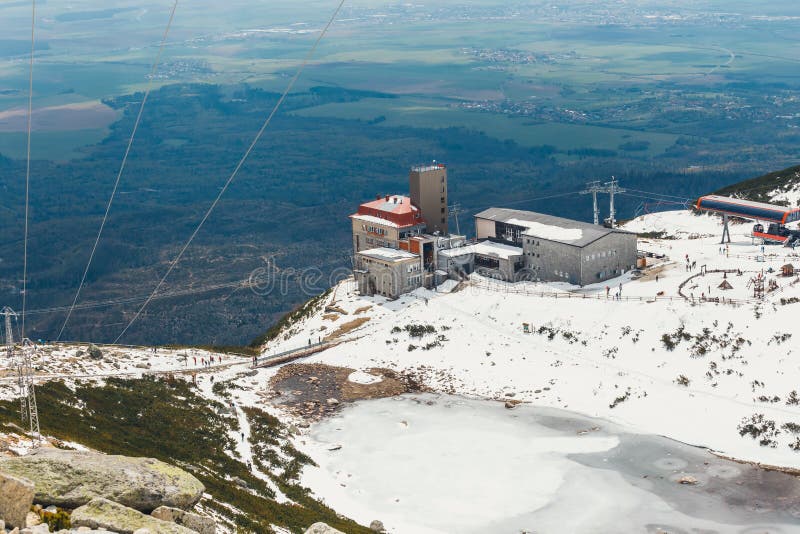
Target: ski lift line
x: 652, y: 199
x: 657, y: 194
x: 28, y: 170
x: 131, y: 300
x: 237, y: 284
x: 224, y: 188
x: 523, y: 201
x: 153, y: 71
x: 683, y: 202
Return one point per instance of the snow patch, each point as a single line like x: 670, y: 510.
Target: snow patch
x: 548, y: 231
x: 362, y: 377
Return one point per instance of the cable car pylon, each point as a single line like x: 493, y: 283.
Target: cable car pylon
x: 21, y: 359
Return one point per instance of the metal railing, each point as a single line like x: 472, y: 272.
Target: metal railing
x: 509, y: 288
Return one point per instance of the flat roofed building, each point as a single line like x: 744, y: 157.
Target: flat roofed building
x: 558, y: 249
x: 428, y: 188
x: 385, y: 222
x: 488, y: 258
x: 387, y: 271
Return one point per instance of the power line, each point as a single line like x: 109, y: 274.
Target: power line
x: 142, y: 298
x: 658, y: 194
x: 682, y: 202
x: 119, y: 174
x: 224, y: 188
x: 28, y: 170
x: 525, y: 200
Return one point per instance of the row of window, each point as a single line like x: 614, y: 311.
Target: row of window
x: 561, y: 274
x: 409, y: 233
x: 373, y: 229
x: 604, y: 254
x: 609, y: 274
x: 378, y: 242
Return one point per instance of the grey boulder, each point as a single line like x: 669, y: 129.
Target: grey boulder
x: 104, y: 514
x: 16, y: 499
x: 72, y: 478
x: 199, y: 523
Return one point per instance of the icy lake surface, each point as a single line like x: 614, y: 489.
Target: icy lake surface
x: 440, y: 464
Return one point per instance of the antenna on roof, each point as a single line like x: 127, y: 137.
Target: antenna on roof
x: 454, y: 210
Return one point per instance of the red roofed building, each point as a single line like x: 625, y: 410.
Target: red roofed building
x: 385, y: 222
x: 396, y: 237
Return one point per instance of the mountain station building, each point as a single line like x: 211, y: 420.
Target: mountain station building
x: 401, y: 243
x: 558, y: 249
x: 397, y: 238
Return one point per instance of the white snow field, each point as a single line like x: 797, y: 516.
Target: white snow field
x: 651, y: 363
x: 689, y: 370
x: 437, y: 464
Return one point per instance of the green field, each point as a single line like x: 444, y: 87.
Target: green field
x: 427, y: 113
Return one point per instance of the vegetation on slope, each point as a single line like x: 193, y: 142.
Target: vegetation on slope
x: 760, y: 188
x: 167, y: 419
x: 304, y: 311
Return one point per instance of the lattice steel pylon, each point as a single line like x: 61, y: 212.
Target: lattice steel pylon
x: 20, y: 358
x: 592, y: 188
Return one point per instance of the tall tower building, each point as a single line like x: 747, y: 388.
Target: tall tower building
x: 428, y: 187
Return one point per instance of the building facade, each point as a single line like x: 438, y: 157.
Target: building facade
x: 428, y: 188
x: 558, y: 249
x: 414, y: 227
x: 487, y: 258
x: 385, y: 222
x: 387, y: 272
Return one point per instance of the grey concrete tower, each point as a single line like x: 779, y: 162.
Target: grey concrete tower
x: 428, y: 187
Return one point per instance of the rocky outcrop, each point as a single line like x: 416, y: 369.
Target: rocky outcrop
x: 199, y: 523
x: 16, y: 499
x: 322, y: 528
x: 104, y: 514
x: 95, y: 353
x: 70, y: 479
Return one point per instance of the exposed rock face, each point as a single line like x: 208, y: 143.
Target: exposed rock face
x: 16, y: 499
x: 199, y: 523
x: 322, y: 528
x: 72, y: 478
x: 95, y: 353
x: 377, y: 526
x: 104, y: 514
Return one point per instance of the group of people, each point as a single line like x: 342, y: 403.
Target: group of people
x: 690, y: 265
x: 207, y: 362
x: 617, y: 295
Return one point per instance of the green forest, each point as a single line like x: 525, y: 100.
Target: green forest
x: 288, y: 205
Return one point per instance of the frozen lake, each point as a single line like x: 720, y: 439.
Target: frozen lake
x: 439, y: 464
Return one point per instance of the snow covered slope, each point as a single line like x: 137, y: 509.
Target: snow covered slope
x: 720, y: 375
